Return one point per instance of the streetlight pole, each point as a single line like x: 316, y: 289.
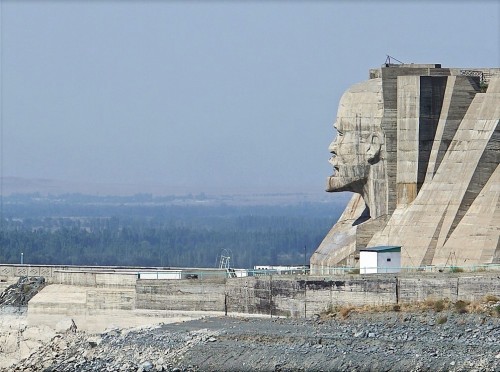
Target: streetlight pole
x: 305, y: 283
x: 305, y: 259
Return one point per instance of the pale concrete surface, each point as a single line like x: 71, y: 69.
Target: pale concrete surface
x: 96, y: 309
x: 93, y: 309
x: 340, y: 243
x: 17, y: 339
x: 465, y: 184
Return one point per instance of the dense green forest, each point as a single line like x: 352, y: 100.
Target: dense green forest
x: 89, y: 231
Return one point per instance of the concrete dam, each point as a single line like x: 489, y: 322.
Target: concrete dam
x: 98, y: 298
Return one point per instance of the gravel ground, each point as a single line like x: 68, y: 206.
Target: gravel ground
x: 390, y: 341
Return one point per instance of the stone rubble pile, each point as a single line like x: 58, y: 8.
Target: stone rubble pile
x: 395, y: 341
x: 146, y: 349
x: 20, y: 293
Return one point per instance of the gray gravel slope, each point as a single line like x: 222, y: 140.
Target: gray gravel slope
x: 364, y: 342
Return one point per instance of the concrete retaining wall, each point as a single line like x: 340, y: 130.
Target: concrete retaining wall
x: 294, y: 296
x: 185, y: 294
x: 94, y: 279
x: 300, y: 296
x: 77, y: 300
x: 454, y: 287
x: 92, y: 308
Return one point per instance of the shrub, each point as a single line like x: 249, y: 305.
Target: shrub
x: 439, y: 306
x: 461, y: 306
x: 491, y: 298
x: 330, y: 309
x: 455, y: 269
x: 345, y: 311
x: 441, y: 320
x: 396, y: 308
x: 26, y: 288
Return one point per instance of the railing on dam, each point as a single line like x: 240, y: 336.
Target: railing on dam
x: 405, y: 269
x: 51, y: 271
x: 332, y: 271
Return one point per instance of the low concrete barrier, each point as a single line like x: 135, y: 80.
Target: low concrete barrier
x: 183, y: 294
x: 303, y: 296
x: 294, y: 296
x: 94, y: 279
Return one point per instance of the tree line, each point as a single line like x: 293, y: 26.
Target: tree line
x: 163, y: 236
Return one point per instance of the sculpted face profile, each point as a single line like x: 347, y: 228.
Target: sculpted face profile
x: 358, y: 150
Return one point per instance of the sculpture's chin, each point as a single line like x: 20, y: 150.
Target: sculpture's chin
x: 338, y: 184
x: 335, y: 184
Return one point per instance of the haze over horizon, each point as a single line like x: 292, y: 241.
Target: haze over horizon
x: 215, y: 97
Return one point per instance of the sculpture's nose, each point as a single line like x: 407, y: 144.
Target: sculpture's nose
x: 333, y: 150
x: 333, y: 147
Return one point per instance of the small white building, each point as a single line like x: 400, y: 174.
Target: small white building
x: 164, y: 274
x: 381, y: 259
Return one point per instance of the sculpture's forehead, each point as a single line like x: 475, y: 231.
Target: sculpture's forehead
x: 367, y: 86
x: 361, y: 100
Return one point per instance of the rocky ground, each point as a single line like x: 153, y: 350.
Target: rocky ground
x: 345, y: 340
x: 18, y: 294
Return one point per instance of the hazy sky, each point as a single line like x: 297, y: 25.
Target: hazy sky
x: 216, y: 96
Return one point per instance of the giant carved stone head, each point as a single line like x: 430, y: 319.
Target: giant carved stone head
x: 357, y: 151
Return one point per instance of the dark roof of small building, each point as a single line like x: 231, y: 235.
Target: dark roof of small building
x: 382, y: 248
